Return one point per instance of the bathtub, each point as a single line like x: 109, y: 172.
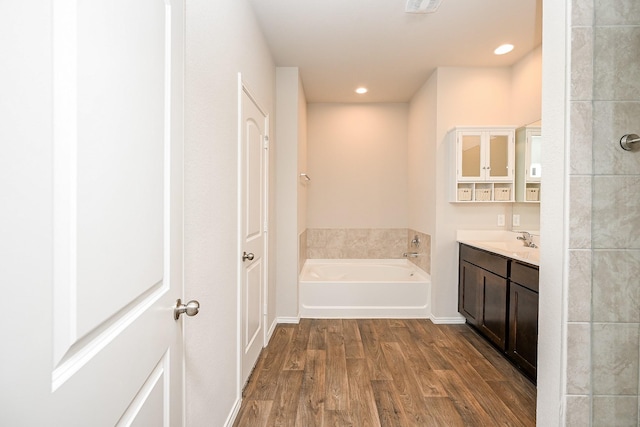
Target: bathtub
x: 363, y: 288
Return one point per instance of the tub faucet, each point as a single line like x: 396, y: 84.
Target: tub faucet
x: 411, y: 254
x: 526, y: 239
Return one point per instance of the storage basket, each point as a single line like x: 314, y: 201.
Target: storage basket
x: 533, y: 194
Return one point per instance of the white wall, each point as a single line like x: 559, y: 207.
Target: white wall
x: 290, y: 134
x: 422, y: 158
x: 526, y: 89
x: 357, y: 159
x: 222, y: 39
x: 303, y: 186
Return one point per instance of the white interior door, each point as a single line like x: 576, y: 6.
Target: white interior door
x: 253, y: 172
x: 112, y: 351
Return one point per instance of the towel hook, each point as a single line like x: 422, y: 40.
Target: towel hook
x: 305, y: 177
x: 627, y: 142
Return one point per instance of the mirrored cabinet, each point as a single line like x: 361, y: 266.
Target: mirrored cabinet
x: 528, y: 164
x: 483, y: 160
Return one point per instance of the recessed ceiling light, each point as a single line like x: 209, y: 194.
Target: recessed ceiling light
x: 505, y: 48
x: 362, y: 90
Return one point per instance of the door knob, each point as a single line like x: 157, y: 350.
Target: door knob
x: 191, y: 308
x: 247, y: 256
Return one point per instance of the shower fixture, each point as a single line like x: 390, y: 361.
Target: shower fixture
x: 628, y: 141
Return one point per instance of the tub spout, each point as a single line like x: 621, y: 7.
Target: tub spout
x: 411, y: 254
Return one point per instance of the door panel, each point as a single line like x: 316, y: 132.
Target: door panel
x: 254, y: 128
x: 114, y: 349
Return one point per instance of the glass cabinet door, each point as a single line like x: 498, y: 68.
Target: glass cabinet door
x: 471, y: 155
x: 498, y: 156
x: 534, y: 171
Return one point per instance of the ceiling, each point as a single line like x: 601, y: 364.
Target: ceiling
x: 341, y: 44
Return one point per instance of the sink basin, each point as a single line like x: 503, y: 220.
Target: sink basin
x: 510, y: 248
x: 510, y: 245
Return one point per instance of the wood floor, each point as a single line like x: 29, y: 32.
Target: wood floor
x: 383, y: 372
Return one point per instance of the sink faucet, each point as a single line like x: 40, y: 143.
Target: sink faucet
x: 526, y: 239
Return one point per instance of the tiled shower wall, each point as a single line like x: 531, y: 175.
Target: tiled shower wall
x: 603, y: 330
x: 364, y: 243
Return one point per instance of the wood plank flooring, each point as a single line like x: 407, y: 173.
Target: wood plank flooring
x: 383, y: 372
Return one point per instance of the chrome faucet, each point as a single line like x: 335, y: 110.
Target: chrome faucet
x: 526, y: 239
x: 411, y: 254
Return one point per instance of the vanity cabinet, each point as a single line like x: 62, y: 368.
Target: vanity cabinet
x: 528, y: 164
x: 523, y: 317
x: 482, y: 161
x: 499, y: 297
x: 483, y: 293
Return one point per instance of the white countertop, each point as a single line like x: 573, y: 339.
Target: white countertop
x: 502, y: 243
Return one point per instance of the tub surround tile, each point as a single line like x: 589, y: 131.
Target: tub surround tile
x: 612, y: 120
x: 424, y: 259
x: 582, y: 13
x: 615, y: 212
x: 582, y: 63
x: 615, y: 358
x: 580, y: 213
x: 302, y: 250
x: 616, y: 69
x: 615, y: 411
x: 616, y: 12
x: 579, y: 305
x: 578, y: 352
x: 581, y: 147
x: 616, y: 294
x: 578, y: 411
x: 347, y: 243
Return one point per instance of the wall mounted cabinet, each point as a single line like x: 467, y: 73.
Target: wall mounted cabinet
x: 482, y: 164
x: 528, y: 164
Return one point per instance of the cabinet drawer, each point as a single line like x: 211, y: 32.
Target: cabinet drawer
x: 486, y: 260
x: 525, y: 275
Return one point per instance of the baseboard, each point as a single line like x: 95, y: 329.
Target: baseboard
x: 294, y: 320
x: 234, y: 413
x: 458, y: 320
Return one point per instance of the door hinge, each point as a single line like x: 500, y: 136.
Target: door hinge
x: 266, y: 142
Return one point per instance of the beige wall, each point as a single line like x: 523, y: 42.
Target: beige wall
x: 422, y: 158
x: 357, y: 160
x: 465, y: 96
x: 526, y: 89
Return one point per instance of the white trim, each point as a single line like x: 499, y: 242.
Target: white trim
x: 447, y: 320
x: 556, y: 60
x: 288, y: 320
x: 234, y: 413
x: 243, y: 88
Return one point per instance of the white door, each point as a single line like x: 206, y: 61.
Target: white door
x: 253, y: 196
x: 99, y: 344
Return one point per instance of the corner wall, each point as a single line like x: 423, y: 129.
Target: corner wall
x: 290, y: 147
x: 222, y: 39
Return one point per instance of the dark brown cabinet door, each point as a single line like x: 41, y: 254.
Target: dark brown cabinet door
x: 494, y: 308
x: 523, y: 328
x: 469, y: 293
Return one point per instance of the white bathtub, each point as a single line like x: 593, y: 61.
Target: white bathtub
x: 364, y: 288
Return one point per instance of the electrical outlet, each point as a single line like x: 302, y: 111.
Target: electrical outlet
x: 501, y: 220
x: 516, y: 220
